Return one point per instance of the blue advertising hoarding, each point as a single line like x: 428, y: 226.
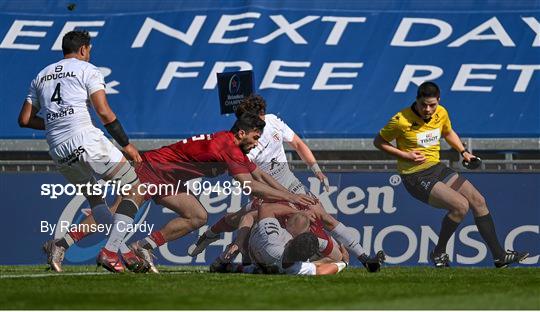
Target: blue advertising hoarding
x: 339, y: 72
x: 375, y: 204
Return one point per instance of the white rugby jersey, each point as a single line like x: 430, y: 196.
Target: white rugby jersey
x: 267, y: 243
x: 269, y: 154
x: 268, y: 240
x: 62, y: 93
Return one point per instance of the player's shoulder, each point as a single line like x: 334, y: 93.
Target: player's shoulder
x: 402, y: 118
x: 80, y: 65
x: 273, y: 119
x: 223, y: 143
x: 223, y: 138
x: 86, y: 66
x: 441, y: 110
x: 49, y: 68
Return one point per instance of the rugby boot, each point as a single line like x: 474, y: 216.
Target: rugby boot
x: 55, y: 255
x: 145, y: 254
x: 441, y: 260
x: 201, y: 244
x: 510, y: 257
x: 110, y: 261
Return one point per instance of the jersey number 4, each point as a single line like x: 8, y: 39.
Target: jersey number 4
x: 56, y: 94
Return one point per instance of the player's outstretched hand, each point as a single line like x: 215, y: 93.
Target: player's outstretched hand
x: 230, y: 252
x: 310, y: 214
x: 302, y: 199
x: 323, y: 179
x: 132, y: 153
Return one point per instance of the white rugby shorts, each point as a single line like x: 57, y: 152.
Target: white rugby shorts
x: 86, y: 156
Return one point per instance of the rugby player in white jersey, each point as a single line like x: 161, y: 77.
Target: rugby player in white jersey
x: 269, y: 155
x: 277, y: 250
x: 62, y: 93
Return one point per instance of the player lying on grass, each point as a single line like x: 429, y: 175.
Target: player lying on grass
x: 201, y: 156
x: 328, y: 248
x: 269, y: 155
x: 277, y: 250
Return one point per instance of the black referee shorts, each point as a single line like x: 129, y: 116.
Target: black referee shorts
x: 420, y: 184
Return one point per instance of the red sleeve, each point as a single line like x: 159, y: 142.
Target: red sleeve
x: 237, y: 162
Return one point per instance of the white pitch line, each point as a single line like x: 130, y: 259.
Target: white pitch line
x: 51, y: 274
x: 38, y: 275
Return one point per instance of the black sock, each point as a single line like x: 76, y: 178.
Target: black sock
x: 486, y: 227
x: 62, y: 243
x: 448, y: 227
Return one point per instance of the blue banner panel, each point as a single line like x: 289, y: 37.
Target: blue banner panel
x: 330, y: 72
x: 375, y: 204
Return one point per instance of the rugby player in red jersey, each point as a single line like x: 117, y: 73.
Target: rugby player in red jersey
x: 202, y: 156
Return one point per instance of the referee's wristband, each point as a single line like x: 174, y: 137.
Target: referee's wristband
x: 464, y: 151
x: 315, y: 168
x: 116, y: 130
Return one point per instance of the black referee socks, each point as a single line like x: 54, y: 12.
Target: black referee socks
x: 448, y: 227
x: 486, y: 227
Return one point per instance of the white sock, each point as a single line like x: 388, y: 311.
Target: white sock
x: 345, y: 236
x: 116, y: 238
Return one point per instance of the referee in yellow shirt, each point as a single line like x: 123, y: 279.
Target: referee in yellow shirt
x: 417, y: 130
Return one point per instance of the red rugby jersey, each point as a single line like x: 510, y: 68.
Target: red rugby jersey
x: 206, y: 155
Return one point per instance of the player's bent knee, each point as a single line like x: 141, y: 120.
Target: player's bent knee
x: 126, y: 175
x: 199, y: 221
x: 478, y: 201
x: 461, y: 208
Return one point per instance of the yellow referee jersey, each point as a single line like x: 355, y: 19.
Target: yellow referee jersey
x: 412, y: 133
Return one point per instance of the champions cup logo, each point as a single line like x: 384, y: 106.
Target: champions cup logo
x: 234, y: 84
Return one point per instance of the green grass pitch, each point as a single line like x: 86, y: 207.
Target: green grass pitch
x: 81, y: 287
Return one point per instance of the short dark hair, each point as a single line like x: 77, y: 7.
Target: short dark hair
x: 253, y: 103
x: 74, y: 40
x: 428, y: 89
x: 300, y: 248
x: 248, y: 122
